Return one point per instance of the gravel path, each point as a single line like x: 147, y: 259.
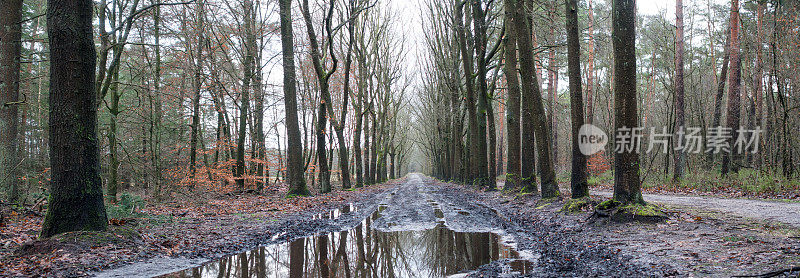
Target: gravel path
x: 783, y: 212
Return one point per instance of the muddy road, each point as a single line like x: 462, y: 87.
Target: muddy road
x: 420, y: 228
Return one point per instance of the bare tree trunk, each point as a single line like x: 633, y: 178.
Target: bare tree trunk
x: 294, y: 145
x: 367, y: 151
x: 113, y: 153
x: 262, y: 168
x: 758, y: 79
x: 679, y: 153
x: 249, y: 59
x: 627, y: 186
x: 323, y: 76
x: 590, y: 68
x: 10, y: 50
x: 198, y: 83
x: 456, y: 159
x: 76, y: 194
x: 513, y: 110
x: 579, y: 185
x: 155, y: 127
x: 475, y: 157
x: 552, y: 90
x: 730, y: 160
x: 533, y: 111
x: 479, y: 21
x: 339, y: 125
x: 723, y: 78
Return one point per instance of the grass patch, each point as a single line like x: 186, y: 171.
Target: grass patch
x: 127, y: 207
x: 604, y: 178
x: 746, y: 182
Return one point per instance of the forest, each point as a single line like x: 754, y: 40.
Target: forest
x: 394, y: 138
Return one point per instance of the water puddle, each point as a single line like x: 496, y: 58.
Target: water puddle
x: 336, y: 213
x: 367, y: 252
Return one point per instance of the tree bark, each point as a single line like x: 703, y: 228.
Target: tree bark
x: 76, y: 195
x: 259, y: 138
x: 249, y: 60
x: 479, y: 21
x: 679, y: 155
x: 113, y: 153
x: 533, y: 112
x: 294, y: 145
x: 730, y: 160
x: 339, y: 125
x: 552, y: 90
x: 590, y: 68
x: 723, y: 78
x: 758, y: 77
x: 197, y: 84
x: 579, y: 185
x: 323, y: 76
x: 476, y: 156
x: 627, y: 186
x: 513, y: 110
x: 10, y: 50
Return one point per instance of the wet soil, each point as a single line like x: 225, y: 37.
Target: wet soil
x: 428, y: 229
x: 421, y: 227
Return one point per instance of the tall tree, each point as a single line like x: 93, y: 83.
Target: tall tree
x: 197, y: 84
x: 155, y: 103
x: 294, y: 145
x: 513, y: 102
x: 10, y: 48
x: 480, y: 41
x: 476, y: 155
x: 339, y: 124
x: 627, y: 186
x: 249, y: 44
x: 590, y: 67
x: 323, y: 77
x: 533, y: 110
x: 718, y: 98
x: 76, y: 195
x: 758, y: 74
x: 552, y: 86
x: 730, y: 160
x: 680, y: 154
x: 259, y: 137
x: 580, y: 187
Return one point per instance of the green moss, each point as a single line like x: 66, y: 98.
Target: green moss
x: 608, y: 204
x: 620, y: 212
x: 578, y: 205
x: 648, y: 210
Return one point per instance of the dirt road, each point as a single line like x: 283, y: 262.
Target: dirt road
x: 433, y: 230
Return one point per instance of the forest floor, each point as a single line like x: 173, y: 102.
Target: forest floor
x: 173, y: 235
x: 696, y: 241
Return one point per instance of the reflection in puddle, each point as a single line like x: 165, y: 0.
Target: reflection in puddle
x: 366, y: 252
x: 438, y: 213
x: 335, y: 214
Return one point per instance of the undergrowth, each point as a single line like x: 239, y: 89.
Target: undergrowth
x: 127, y: 207
x: 745, y: 182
